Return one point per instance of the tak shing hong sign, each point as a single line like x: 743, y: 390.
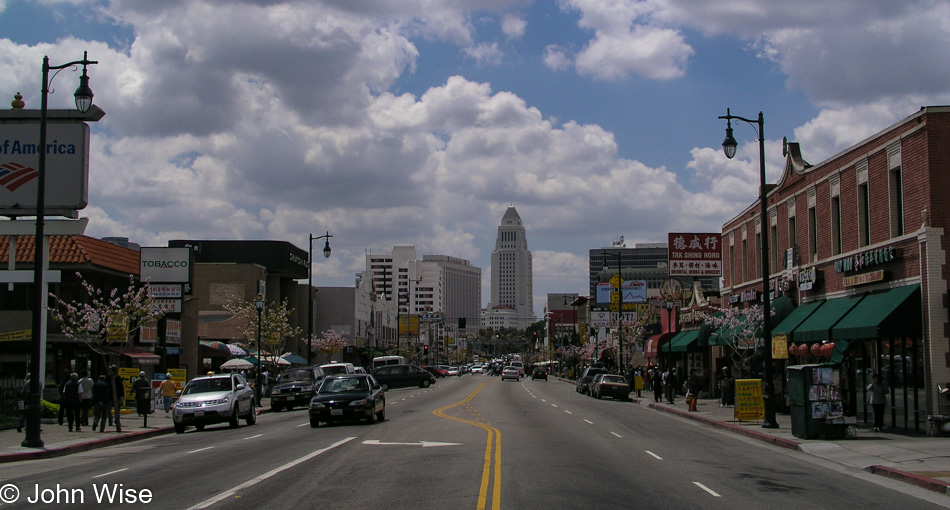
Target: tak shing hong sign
x: 695, y: 254
x: 67, y: 167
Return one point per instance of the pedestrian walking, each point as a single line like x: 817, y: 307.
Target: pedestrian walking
x: 657, y: 385
x: 143, y: 389
x: 671, y: 381
x: 72, y: 398
x: 169, y: 391
x: 86, y: 383
x: 878, y: 399
x: 116, y: 395
x: 24, y: 395
x: 62, y: 399
x: 726, y: 386
x: 100, y: 403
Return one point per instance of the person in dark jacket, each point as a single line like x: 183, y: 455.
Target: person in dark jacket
x: 657, y: 384
x: 116, y: 393
x: 24, y: 396
x: 671, y: 382
x: 143, y: 392
x: 72, y: 398
x: 100, y: 403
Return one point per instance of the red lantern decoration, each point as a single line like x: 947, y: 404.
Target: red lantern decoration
x: 798, y: 350
x: 792, y: 349
x: 826, y: 349
x: 815, y: 350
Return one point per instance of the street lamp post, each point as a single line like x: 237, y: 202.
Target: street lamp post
x: 326, y: 254
x: 729, y: 145
x: 619, y: 309
x: 83, y: 96
x: 259, y: 305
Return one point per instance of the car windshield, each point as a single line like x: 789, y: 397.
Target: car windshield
x: 614, y: 379
x: 207, y: 385
x: 296, y: 375
x: 344, y: 385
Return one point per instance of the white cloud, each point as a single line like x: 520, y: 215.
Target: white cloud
x: 556, y: 58
x: 513, y: 26
x: 484, y: 53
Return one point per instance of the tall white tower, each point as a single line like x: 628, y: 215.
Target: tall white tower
x: 511, y: 282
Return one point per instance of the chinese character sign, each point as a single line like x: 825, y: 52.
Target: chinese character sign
x: 695, y: 254
x: 749, y: 403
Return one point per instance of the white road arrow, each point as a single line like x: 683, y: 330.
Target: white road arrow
x: 424, y: 444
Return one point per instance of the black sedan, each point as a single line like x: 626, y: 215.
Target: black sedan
x: 539, y: 373
x: 348, y: 397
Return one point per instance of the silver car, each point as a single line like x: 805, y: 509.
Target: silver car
x: 510, y: 373
x: 214, y: 399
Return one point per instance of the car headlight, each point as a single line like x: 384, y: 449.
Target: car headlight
x: 316, y: 405
x: 359, y: 403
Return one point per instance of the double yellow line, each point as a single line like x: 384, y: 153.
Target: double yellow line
x: 493, y: 435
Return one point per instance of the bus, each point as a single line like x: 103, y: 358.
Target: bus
x: 381, y: 361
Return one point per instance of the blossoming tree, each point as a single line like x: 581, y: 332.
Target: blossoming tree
x: 329, y: 342
x: 740, y: 327
x: 275, y: 325
x: 100, y: 319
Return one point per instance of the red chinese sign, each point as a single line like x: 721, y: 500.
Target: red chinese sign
x: 695, y: 254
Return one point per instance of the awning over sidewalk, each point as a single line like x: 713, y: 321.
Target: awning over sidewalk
x: 893, y: 313
x: 652, y: 344
x: 794, y: 319
x: 817, y: 327
x: 137, y: 356
x: 682, y: 341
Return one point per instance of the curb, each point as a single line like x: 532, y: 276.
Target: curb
x: 761, y: 436
x: 923, y: 482
x: 44, y: 453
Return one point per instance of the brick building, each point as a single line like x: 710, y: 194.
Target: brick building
x: 858, y: 243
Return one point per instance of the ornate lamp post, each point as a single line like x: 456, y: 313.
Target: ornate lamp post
x: 259, y: 305
x: 619, y: 309
x: 729, y: 145
x: 326, y: 254
x: 83, y: 96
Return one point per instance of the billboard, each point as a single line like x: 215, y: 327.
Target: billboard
x: 634, y: 291
x: 695, y: 254
x: 165, y: 265
x: 67, y: 167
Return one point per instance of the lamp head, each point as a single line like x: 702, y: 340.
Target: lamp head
x: 83, y: 94
x: 259, y: 302
x: 606, y: 267
x: 729, y: 144
x: 326, y: 247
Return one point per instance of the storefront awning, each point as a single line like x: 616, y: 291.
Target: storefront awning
x: 682, y: 341
x: 794, y: 319
x: 817, y: 327
x: 651, y: 345
x: 725, y: 335
x: 892, y: 313
x: 138, y: 356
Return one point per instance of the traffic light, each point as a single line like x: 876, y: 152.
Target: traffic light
x: 425, y: 349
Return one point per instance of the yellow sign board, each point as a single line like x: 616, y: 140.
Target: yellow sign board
x: 409, y: 325
x: 779, y: 346
x: 16, y: 336
x: 749, y: 403
x: 616, y: 281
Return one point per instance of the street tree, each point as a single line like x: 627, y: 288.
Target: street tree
x: 329, y: 342
x: 275, y: 325
x: 100, y: 319
x: 739, y: 327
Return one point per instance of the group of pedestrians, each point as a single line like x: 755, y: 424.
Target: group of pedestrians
x: 664, y: 384
x: 79, y: 394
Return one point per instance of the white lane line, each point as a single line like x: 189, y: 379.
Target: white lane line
x: 252, y: 437
x: 568, y: 412
x: 655, y: 456
x: 616, y: 434
x: 589, y: 422
x: 201, y: 449
x: 304, y: 424
x: 111, y: 473
x: 707, y: 489
x: 553, y: 405
x: 542, y: 400
x: 272, y: 472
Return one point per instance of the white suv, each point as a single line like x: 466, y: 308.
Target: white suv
x: 214, y: 399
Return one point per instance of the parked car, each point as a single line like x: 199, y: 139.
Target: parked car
x: 401, y: 376
x: 510, y: 372
x: 453, y: 371
x: 610, y: 385
x: 436, y: 370
x: 583, y: 382
x: 539, y: 373
x: 476, y: 369
x: 295, y: 387
x: 348, y: 397
x: 214, y: 399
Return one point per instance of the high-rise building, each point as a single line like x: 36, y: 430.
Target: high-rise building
x: 511, y: 273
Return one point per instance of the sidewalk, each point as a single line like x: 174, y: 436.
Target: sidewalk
x: 916, y: 459
x: 59, y: 441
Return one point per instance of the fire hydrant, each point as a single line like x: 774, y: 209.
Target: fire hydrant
x: 691, y: 400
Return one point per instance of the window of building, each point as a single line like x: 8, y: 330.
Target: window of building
x: 864, y: 215
x: 757, y: 256
x: 792, y: 232
x: 745, y: 263
x: 732, y: 263
x: 896, y: 202
x: 835, y: 225
x: 812, y: 234
x: 774, y: 261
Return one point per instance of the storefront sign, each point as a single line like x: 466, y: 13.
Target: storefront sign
x: 16, y: 336
x: 807, y: 278
x: 779, y: 346
x: 165, y: 265
x: 695, y: 254
x: 749, y: 403
x: 746, y: 296
x: 160, y: 291
x: 172, y: 332
x: 166, y: 305
x: 873, y: 276
x: 600, y: 319
x: 866, y: 259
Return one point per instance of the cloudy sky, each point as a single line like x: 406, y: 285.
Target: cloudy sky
x: 417, y: 122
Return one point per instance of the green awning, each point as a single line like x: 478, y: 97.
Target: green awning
x: 681, y: 342
x: 727, y: 336
x: 893, y: 313
x: 795, y: 318
x: 841, y: 349
x: 706, y: 332
x: 781, y: 307
x: 817, y: 327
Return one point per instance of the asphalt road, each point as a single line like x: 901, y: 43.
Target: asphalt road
x: 469, y: 442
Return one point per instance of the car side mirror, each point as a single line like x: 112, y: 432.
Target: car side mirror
x: 177, y: 393
x: 241, y: 386
x: 376, y: 386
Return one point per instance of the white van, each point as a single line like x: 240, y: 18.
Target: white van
x: 338, y: 368
x: 382, y: 361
